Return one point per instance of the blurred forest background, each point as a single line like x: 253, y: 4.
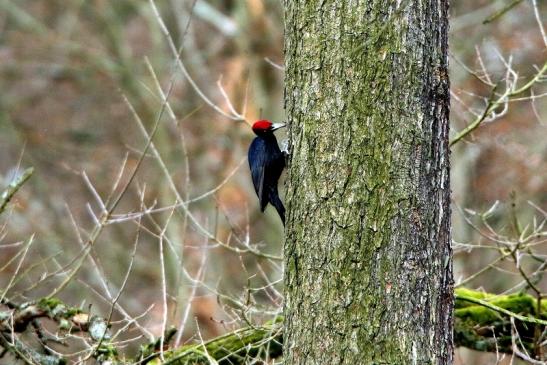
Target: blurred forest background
x: 70, y: 72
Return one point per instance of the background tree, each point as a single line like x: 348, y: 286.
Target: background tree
x: 368, y: 257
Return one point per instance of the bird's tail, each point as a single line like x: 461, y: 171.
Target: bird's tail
x: 276, y: 202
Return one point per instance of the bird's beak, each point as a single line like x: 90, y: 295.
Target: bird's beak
x: 276, y: 126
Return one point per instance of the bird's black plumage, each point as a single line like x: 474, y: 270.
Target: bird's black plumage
x: 267, y: 163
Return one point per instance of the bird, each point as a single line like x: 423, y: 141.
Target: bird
x: 267, y: 162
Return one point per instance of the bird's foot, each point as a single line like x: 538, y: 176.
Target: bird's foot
x: 285, y: 150
x: 285, y: 147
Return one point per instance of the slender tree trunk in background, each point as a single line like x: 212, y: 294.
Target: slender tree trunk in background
x: 368, y: 257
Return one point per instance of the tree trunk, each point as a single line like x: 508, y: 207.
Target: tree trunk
x: 368, y: 258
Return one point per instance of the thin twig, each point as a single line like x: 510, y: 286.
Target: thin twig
x: 13, y: 187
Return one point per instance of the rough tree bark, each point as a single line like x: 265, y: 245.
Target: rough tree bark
x: 368, y: 258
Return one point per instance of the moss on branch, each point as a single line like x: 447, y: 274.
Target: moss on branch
x: 484, y: 329
x: 237, y: 347
x: 476, y: 327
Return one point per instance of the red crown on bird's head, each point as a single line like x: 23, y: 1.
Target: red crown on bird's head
x: 262, y: 125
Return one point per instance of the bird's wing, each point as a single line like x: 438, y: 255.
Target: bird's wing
x: 256, y: 162
x: 261, y: 192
